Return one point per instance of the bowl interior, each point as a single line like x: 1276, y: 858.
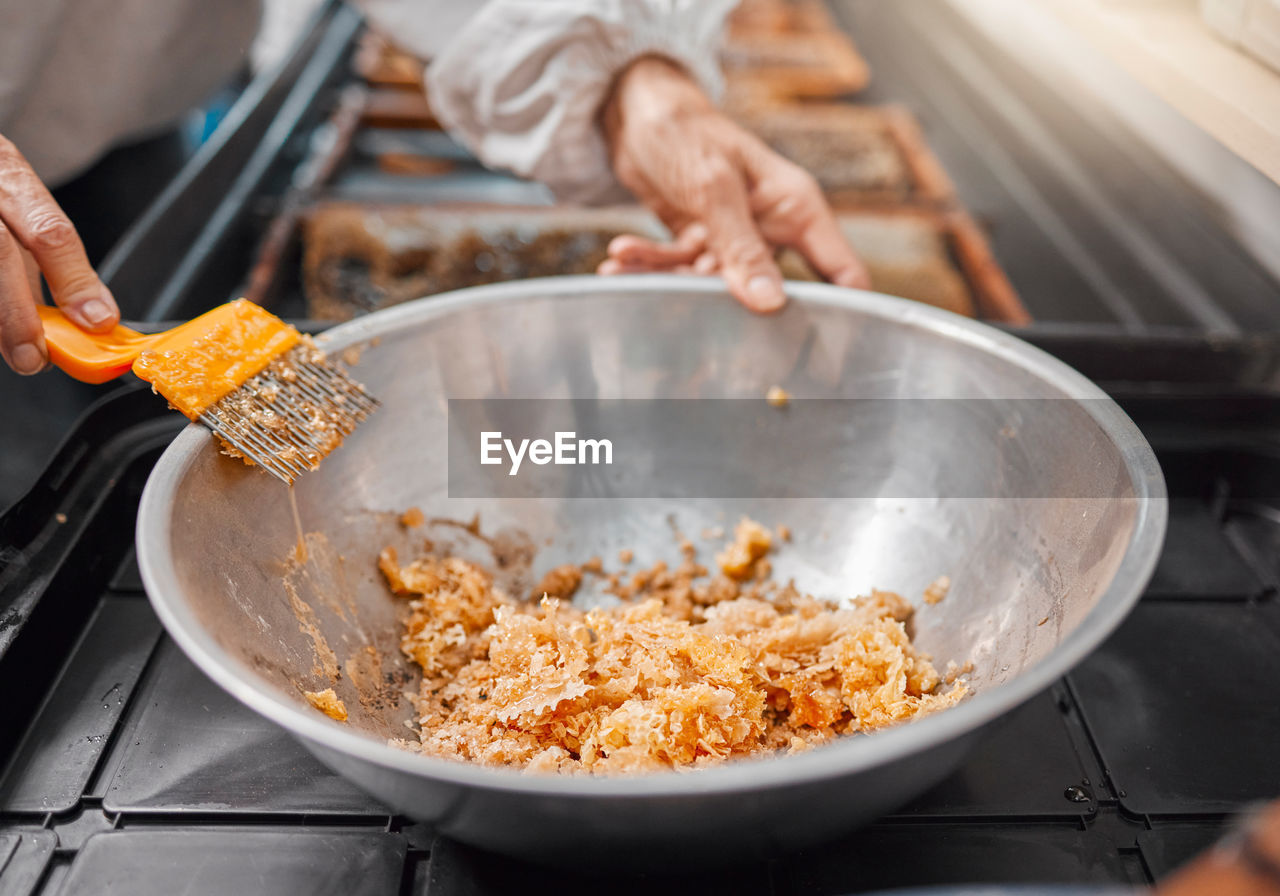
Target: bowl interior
x: 916, y: 445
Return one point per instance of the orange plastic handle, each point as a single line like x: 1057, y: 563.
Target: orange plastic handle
x: 91, y: 357
x: 202, y: 361
x: 193, y: 365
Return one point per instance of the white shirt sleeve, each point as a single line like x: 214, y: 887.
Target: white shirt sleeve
x: 521, y: 83
x: 80, y: 76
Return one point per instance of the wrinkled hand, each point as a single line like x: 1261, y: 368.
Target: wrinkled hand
x: 727, y: 197
x: 35, y: 238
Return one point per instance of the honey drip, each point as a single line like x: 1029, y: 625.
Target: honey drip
x: 297, y: 523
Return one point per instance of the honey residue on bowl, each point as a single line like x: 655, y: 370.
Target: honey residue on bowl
x: 328, y: 703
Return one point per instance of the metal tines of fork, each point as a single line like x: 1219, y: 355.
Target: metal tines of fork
x: 292, y: 414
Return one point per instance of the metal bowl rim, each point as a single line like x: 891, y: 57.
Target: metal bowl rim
x: 841, y: 758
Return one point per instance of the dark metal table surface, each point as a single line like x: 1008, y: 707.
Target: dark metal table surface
x: 124, y: 769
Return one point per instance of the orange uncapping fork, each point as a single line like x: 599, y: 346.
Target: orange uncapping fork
x: 263, y: 388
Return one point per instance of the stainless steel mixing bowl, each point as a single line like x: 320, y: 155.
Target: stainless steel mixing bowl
x: 1047, y: 552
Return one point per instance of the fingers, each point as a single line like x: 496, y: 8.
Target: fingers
x: 611, y: 266
x: 34, y: 219
x: 706, y: 263
x: 824, y: 246
x: 641, y: 252
x: 794, y: 213
x: 33, y: 273
x: 724, y: 237
x: 687, y: 254
x: 21, y: 335
x: 633, y: 250
x: 732, y: 235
